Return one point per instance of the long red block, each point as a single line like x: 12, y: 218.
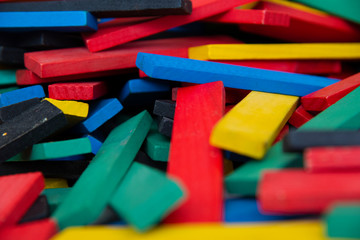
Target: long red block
x: 332, y: 159
x: 300, y: 117
x: 323, y: 27
x: 72, y: 61
x: 192, y: 160
x: 119, y: 31
x: 252, y: 16
x: 17, y: 193
x: 327, y: 96
x: 77, y: 91
x: 37, y: 230
x: 296, y: 191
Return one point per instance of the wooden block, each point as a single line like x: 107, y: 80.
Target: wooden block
x: 283, y: 132
x: 137, y: 92
x: 7, y: 77
x: 56, y: 63
x: 108, y: 216
x: 342, y: 221
x: 195, y: 71
x: 343, y: 115
x: 28, y: 128
x: 69, y: 170
x: 55, y: 196
x: 146, y: 188
x: 252, y: 125
x: 99, y: 112
x: 300, y: 117
x: 157, y: 146
x: 83, y: 204
x: 332, y: 159
x: 8, y: 89
x: 109, y: 8
x: 164, y: 108
x: 95, y: 142
x: 55, y: 183
x: 55, y: 20
x: 323, y: 98
x: 56, y: 149
x: 303, y: 192
x: 23, y: 190
x: 11, y: 111
x: 166, y: 126
x: 11, y: 55
x: 203, y: 184
x: 312, y: 230
x: 120, y: 31
x: 142, y: 158
x: 276, y: 51
x: 252, y: 16
x: 40, y: 230
x: 77, y: 91
x: 324, y: 27
x: 21, y: 95
x: 39, y: 210
x: 346, y: 9
x: 74, y: 111
x: 299, y: 141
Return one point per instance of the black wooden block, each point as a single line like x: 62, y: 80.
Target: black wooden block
x: 107, y: 216
x: 165, y: 126
x: 39, y: 210
x: 297, y: 141
x: 28, y: 128
x: 11, y: 111
x: 11, y: 55
x: 105, y: 8
x: 141, y: 157
x: 165, y: 108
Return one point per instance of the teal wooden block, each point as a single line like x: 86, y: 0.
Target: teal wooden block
x: 8, y: 89
x: 55, y: 196
x: 7, y: 77
x: 145, y: 196
x: 91, y: 193
x: 343, y: 115
x: 156, y: 145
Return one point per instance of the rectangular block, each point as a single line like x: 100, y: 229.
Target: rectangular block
x: 74, y: 111
x: 166, y: 126
x: 91, y: 193
x: 55, y: 20
x: 55, y: 196
x: 39, y: 210
x: 203, y: 184
x: 157, y: 146
x: 7, y: 77
x: 11, y: 111
x: 252, y: 125
x: 300, y: 117
x: 55, y: 183
x: 195, y: 71
x: 303, y: 192
x: 21, y: 95
x: 164, y: 108
x: 77, y: 90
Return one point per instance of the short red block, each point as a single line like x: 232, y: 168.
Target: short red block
x: 77, y: 91
x: 332, y: 159
x: 17, y: 193
x: 300, y: 117
x: 299, y: 192
x: 282, y: 133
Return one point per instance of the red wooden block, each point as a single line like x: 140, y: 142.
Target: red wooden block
x: 332, y: 159
x: 36, y: 230
x: 282, y: 133
x: 325, y: 97
x: 174, y: 92
x: 299, y: 192
x: 192, y: 160
x: 142, y: 74
x: 119, y: 31
x: 300, y: 117
x: 71, y: 61
x: 77, y: 91
x: 323, y: 27
x: 252, y: 16
x: 17, y: 193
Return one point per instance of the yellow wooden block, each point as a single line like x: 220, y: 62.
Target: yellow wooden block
x: 73, y: 110
x: 55, y: 183
x: 253, y: 124
x: 276, y: 51
x: 294, y: 230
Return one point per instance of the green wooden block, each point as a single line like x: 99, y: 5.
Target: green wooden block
x: 8, y: 89
x: 343, y: 221
x: 52, y: 150
x: 55, y: 196
x: 92, y: 191
x: 145, y: 196
x: 343, y: 115
x: 348, y: 9
x: 157, y: 146
x: 7, y: 77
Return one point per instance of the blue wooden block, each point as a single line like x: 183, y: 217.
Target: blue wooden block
x: 95, y: 143
x: 196, y: 71
x: 144, y: 91
x: 21, y: 94
x: 99, y: 112
x: 246, y: 210
x: 56, y: 20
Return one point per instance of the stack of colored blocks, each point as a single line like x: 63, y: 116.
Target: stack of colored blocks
x: 178, y: 119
